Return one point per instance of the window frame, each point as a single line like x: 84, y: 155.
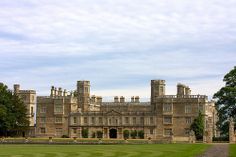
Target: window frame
x: 167, y: 122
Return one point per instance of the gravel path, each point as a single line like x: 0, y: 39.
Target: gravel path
x: 217, y: 150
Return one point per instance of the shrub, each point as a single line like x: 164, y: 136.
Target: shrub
x: 141, y: 134
x: 93, y: 135
x: 85, y: 133
x: 99, y: 134
x: 198, y: 126
x: 222, y: 138
x: 64, y: 136
x: 133, y: 134
x: 126, y: 134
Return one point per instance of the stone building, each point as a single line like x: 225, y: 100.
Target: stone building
x: 29, y: 99
x: 164, y: 116
x: 53, y: 112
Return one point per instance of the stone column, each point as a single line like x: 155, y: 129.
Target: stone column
x: 26, y: 140
x: 50, y: 139
x: 105, y: 133
x: 52, y: 91
x: 120, y: 133
x: 205, y: 136
x: 209, y: 133
x: 90, y: 133
x: 172, y: 139
x: 209, y: 137
x: 79, y: 132
x: 149, y: 140
x: 2, y: 139
x: 75, y: 139
x: 231, y: 131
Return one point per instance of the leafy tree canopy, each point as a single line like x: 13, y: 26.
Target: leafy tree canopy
x: 226, y: 101
x: 13, y: 113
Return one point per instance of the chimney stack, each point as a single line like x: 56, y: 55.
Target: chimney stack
x: 137, y: 99
x: 99, y: 100
x: 116, y: 99
x: 59, y: 91
x: 52, y: 91
x: 55, y: 92
x: 183, y: 90
x: 64, y: 93
x: 93, y: 98
x: 122, y: 99
x: 132, y: 99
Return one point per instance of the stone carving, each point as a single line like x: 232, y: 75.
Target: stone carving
x: 192, y: 137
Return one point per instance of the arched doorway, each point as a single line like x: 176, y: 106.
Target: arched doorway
x: 113, y: 133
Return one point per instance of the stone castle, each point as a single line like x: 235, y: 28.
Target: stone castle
x: 163, y: 117
x: 68, y: 114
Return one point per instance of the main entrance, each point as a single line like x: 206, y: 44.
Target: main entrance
x: 113, y: 133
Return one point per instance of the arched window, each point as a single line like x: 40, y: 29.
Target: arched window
x: 32, y: 111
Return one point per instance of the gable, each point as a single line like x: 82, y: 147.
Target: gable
x: 113, y: 113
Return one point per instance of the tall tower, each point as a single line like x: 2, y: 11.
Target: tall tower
x: 83, y: 99
x: 28, y: 97
x: 16, y: 88
x: 157, y: 89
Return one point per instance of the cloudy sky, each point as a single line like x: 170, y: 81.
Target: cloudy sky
x: 119, y: 45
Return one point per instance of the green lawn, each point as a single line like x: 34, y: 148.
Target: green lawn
x: 152, y: 150
x: 232, y: 152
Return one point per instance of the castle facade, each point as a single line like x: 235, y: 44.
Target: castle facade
x: 87, y: 115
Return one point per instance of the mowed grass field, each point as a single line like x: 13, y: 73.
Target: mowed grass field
x: 151, y: 150
x: 232, y: 152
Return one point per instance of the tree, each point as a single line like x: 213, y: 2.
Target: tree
x: 226, y: 101
x: 85, y: 133
x: 126, y: 134
x: 99, y: 134
x: 13, y: 113
x: 141, y: 134
x: 133, y: 134
x: 93, y: 134
x: 198, y: 126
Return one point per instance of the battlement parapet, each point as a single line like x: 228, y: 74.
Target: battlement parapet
x: 55, y: 97
x: 125, y: 103
x: 28, y: 91
x: 183, y: 96
x: 158, y: 81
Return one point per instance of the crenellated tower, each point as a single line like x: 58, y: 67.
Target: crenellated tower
x: 157, y: 89
x: 83, y: 99
x: 29, y: 99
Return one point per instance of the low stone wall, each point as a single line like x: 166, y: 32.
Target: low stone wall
x: 181, y: 139
x: 73, y: 141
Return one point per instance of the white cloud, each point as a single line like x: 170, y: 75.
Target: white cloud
x: 58, y: 42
